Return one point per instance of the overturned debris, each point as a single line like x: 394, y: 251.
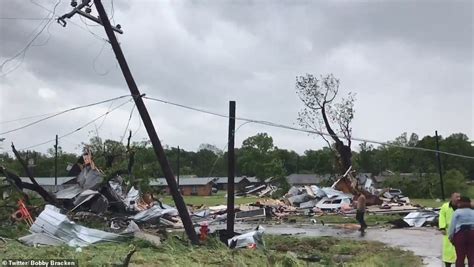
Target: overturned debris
x: 253, y: 239
x: 52, y: 227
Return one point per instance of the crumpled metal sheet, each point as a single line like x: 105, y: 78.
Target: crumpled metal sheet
x: 69, y: 193
x: 418, y: 219
x: 202, y: 213
x: 152, y: 213
x: 51, y: 224
x: 298, y: 198
x: 132, y: 198
x: 293, y: 191
x: 98, y: 203
x: 330, y: 193
x: 254, y: 238
x: 40, y: 239
x: 318, y: 192
x: 89, y: 178
x: 309, y: 204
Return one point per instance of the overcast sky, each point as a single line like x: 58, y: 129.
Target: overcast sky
x: 409, y: 62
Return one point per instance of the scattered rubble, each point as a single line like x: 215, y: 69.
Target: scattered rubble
x: 253, y: 239
x: 52, y: 227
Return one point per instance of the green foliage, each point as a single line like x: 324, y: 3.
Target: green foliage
x: 259, y: 157
x: 428, y: 185
x: 175, y: 251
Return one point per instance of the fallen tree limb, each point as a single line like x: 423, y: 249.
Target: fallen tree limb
x: 34, y: 186
x: 15, y: 182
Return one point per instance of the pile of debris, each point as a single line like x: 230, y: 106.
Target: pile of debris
x: 316, y: 198
x: 265, y: 190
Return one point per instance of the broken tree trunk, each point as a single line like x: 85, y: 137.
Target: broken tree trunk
x: 34, y: 186
x: 131, y: 160
x: 344, y: 151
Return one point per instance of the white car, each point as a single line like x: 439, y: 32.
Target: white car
x: 332, y: 204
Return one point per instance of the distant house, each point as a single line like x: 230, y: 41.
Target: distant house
x: 188, y: 186
x: 307, y: 179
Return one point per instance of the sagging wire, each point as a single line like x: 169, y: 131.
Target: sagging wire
x: 282, y: 126
x: 23, y: 51
x: 62, y: 112
x: 80, y: 128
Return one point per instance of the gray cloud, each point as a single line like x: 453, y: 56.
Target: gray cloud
x: 410, y: 63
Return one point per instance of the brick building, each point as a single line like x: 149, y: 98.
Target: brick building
x: 188, y: 186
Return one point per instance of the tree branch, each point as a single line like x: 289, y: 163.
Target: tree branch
x: 328, y: 126
x: 36, y: 187
x: 16, y: 182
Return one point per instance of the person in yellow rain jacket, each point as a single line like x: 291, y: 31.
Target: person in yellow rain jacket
x: 445, y: 216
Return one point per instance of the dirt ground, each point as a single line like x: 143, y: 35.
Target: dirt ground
x: 424, y: 242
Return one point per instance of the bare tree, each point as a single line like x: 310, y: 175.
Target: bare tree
x: 323, y: 111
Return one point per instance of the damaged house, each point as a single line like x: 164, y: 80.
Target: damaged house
x: 187, y: 186
x: 240, y: 183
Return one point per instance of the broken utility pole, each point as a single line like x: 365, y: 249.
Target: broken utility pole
x: 147, y: 122
x: 231, y: 172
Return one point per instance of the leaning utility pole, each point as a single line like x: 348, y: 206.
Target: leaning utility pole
x: 147, y: 122
x: 438, y: 156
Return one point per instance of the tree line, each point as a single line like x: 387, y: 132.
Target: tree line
x: 258, y: 156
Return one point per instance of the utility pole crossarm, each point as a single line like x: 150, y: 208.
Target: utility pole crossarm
x: 78, y: 9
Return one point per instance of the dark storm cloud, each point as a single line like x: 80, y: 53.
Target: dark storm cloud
x: 404, y: 59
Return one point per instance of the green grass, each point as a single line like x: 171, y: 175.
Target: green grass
x: 370, y: 219
x: 431, y: 203
x: 279, y: 251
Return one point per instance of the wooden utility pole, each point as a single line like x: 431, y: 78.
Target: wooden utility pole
x: 147, y: 122
x: 177, y: 167
x: 231, y: 171
x: 438, y: 156
x: 56, y: 163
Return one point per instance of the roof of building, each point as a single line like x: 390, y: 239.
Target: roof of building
x: 308, y: 179
x: 184, y: 181
x: 48, y: 180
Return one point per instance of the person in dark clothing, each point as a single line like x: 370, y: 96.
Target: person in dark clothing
x: 461, y: 232
x: 360, y: 204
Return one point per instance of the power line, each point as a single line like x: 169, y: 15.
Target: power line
x: 128, y: 123
x: 74, y: 23
x: 94, y: 67
x: 62, y: 112
x: 26, y: 118
x: 277, y: 125
x: 80, y: 128
x: 23, y: 51
x: 11, y: 18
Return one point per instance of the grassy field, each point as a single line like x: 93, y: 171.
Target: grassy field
x: 370, y: 219
x: 431, y: 203
x: 279, y: 251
